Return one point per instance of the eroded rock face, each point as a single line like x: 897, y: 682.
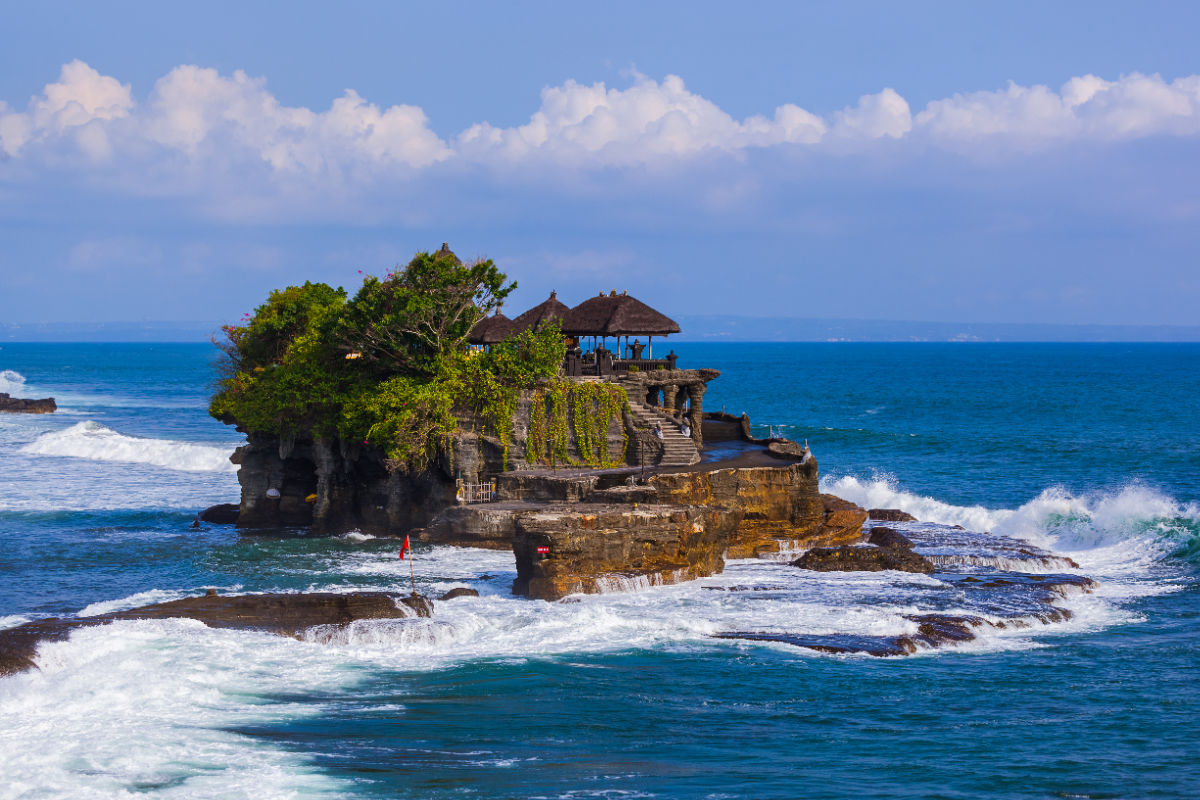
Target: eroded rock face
x: 862, y: 559
x: 489, y: 526
x: 590, y: 549
x: 284, y: 614
x: 21, y: 405
x: 774, y: 504
x: 332, y: 486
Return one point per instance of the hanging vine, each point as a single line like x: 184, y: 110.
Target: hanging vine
x: 586, y: 409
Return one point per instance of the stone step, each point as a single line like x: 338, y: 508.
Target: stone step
x: 678, y: 450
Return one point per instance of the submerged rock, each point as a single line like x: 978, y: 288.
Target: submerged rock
x: 282, y: 614
x: 21, y: 405
x: 889, y: 537
x: 459, y: 591
x: 222, y: 514
x: 862, y: 559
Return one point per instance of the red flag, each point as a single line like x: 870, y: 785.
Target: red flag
x: 404, y: 547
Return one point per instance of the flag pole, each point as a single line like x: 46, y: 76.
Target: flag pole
x: 411, y: 574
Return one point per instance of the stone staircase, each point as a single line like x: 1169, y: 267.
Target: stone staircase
x: 678, y: 450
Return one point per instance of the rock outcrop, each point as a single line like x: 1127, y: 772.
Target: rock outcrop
x: 331, y: 486
x: 21, y: 405
x: 283, y: 614
x: 862, y: 559
x: 564, y: 550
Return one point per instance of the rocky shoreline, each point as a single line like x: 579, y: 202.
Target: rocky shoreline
x: 281, y: 614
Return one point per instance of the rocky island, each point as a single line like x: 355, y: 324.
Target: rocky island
x: 597, y: 468
x: 21, y: 405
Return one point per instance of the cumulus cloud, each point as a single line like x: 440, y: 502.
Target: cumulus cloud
x: 197, y: 119
x: 75, y: 107
x: 875, y: 116
x: 647, y: 122
x: 1085, y: 108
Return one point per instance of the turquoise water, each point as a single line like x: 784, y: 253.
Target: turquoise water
x: 1087, y: 450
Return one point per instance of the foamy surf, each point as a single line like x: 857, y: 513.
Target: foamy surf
x: 1127, y: 529
x: 151, y: 706
x: 95, y: 442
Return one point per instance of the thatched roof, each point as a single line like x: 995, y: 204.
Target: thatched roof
x: 617, y: 315
x: 446, y: 252
x: 491, y: 330
x: 551, y: 309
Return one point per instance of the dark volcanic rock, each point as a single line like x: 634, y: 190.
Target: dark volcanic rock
x: 862, y: 559
x: 20, y: 405
x: 283, y: 614
x: 459, y: 591
x: 223, y: 514
x: 889, y: 537
x: 890, y: 515
x: 933, y: 630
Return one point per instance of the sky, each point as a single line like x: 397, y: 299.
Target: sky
x: 1008, y: 162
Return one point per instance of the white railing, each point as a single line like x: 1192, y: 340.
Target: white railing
x: 475, y: 492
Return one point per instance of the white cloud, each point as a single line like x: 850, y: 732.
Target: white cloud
x: 875, y: 116
x: 1085, y: 108
x: 239, y: 144
x: 197, y: 111
x: 81, y: 97
x: 644, y: 124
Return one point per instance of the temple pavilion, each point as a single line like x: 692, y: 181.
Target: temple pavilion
x: 588, y: 327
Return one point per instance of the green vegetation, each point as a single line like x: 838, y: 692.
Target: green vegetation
x: 589, y: 408
x: 389, y: 367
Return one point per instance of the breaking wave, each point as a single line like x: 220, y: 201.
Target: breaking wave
x: 1134, y: 523
x: 12, y: 382
x: 95, y: 442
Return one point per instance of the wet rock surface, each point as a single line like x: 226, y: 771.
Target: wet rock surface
x: 890, y: 515
x: 21, y: 405
x: 863, y: 559
x: 282, y: 614
x: 889, y: 537
x: 990, y: 590
x: 459, y: 591
x: 221, y: 514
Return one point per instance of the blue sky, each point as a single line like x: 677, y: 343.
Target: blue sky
x: 974, y: 162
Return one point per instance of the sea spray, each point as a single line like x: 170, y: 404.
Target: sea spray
x: 93, y: 441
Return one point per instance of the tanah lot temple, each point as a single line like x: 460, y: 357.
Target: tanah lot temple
x: 608, y: 474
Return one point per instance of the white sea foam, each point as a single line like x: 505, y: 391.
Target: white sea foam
x: 93, y: 441
x: 132, y: 601
x: 1135, y: 526
x: 123, y: 709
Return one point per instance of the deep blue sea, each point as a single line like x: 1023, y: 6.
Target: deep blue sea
x: 1090, y: 451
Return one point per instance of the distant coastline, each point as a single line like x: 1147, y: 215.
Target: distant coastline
x: 717, y: 327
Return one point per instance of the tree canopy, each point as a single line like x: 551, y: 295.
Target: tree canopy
x: 390, y: 367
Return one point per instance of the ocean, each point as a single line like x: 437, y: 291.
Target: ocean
x: 1090, y: 451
